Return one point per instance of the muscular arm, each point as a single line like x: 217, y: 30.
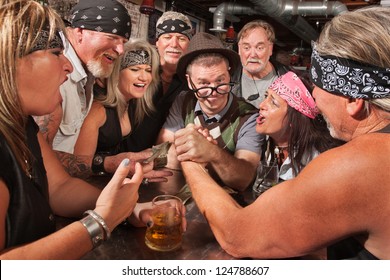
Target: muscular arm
x: 49, y: 124
x: 330, y: 199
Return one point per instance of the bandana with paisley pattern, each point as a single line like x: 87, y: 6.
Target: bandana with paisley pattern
x: 293, y: 91
x: 106, y: 16
x: 174, y: 26
x: 349, y: 78
x: 42, y: 42
x: 136, y: 57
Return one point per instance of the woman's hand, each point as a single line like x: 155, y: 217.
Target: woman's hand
x: 119, y: 197
x: 142, y: 215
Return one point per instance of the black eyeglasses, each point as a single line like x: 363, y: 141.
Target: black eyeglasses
x: 205, y: 92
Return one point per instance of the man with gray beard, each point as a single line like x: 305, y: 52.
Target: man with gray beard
x: 93, y: 42
x: 259, y: 70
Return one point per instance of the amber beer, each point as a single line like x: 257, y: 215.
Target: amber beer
x: 165, y: 234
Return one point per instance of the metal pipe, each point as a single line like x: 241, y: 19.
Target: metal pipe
x: 287, y: 12
x: 225, y: 10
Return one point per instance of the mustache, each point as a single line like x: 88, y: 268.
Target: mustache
x: 252, y: 60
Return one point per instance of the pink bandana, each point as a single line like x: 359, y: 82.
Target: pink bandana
x: 293, y: 91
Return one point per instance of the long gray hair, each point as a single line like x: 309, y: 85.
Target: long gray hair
x: 362, y: 35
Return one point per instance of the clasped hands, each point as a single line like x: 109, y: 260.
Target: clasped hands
x: 194, y: 143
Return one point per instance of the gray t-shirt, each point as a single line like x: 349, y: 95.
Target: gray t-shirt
x: 250, y: 86
x: 247, y: 139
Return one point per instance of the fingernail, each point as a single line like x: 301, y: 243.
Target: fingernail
x: 125, y: 162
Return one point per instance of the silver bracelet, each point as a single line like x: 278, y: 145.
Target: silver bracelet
x: 94, y: 229
x: 101, y: 221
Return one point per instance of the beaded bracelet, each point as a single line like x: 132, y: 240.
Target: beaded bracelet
x: 94, y: 229
x: 101, y: 221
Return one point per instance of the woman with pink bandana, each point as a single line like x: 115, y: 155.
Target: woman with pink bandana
x: 289, y: 117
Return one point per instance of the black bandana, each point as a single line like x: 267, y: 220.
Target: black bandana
x: 42, y: 42
x: 174, y: 26
x: 136, y: 57
x: 349, y: 78
x: 108, y: 16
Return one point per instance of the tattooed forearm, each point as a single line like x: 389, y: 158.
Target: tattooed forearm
x: 76, y: 166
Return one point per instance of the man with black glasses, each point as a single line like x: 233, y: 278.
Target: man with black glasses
x: 208, y: 124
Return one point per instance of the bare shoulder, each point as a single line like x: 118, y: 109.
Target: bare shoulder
x: 355, y: 167
x: 96, y: 115
x: 370, y: 149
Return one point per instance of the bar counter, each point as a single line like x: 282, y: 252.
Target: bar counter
x: 128, y: 242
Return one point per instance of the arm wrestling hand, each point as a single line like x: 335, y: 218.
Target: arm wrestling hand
x: 192, y: 145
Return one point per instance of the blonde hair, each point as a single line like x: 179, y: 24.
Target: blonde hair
x: 114, y: 98
x: 21, y: 22
x: 362, y: 35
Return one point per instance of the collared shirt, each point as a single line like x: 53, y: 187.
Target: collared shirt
x: 286, y: 171
x: 248, y: 138
x: 74, y: 104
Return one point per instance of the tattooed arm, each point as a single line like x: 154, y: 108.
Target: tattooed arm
x: 76, y: 166
x: 49, y: 124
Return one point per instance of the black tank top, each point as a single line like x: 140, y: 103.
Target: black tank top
x: 29, y: 216
x: 110, y: 134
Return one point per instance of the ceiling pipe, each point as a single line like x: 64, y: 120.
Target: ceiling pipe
x: 312, y: 8
x: 287, y: 12
x: 227, y: 11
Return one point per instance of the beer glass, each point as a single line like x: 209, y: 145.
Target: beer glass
x: 165, y: 233
x: 267, y: 176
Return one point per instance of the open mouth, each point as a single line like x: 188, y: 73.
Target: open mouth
x: 260, y: 119
x: 139, y: 85
x: 109, y: 57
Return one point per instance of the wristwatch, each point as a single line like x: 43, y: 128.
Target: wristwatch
x: 98, y: 164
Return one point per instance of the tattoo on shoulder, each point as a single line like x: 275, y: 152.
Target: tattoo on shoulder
x: 42, y: 122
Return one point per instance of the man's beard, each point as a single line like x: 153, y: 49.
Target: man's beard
x: 332, y: 131
x: 97, y: 69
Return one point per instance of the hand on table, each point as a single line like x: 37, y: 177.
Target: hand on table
x: 142, y: 215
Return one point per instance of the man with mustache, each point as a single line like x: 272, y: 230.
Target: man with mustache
x: 259, y: 70
x: 94, y: 40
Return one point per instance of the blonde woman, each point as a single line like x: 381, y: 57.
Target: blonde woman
x: 134, y: 79
x: 34, y: 186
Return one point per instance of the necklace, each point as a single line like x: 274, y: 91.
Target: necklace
x: 256, y: 95
x: 280, y: 153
